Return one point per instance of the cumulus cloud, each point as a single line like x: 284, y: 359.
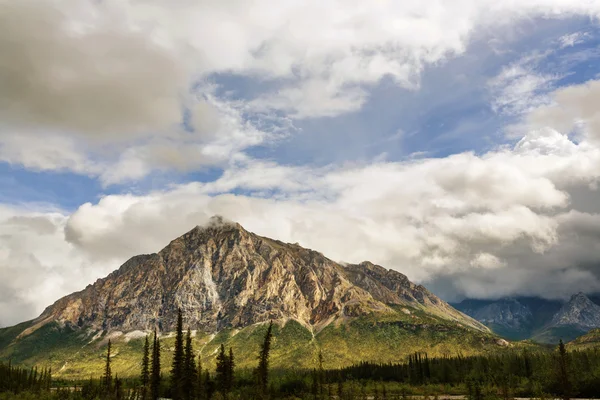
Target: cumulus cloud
x: 573, y: 110
x: 112, y: 79
x: 38, y: 265
x: 80, y: 67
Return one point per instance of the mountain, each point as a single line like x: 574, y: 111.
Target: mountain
x: 228, y: 283
x: 544, y: 321
x: 576, y: 317
x: 507, y: 317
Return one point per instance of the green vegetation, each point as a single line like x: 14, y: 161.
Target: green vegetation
x: 554, y: 334
x: 77, y: 353
x: 369, y: 357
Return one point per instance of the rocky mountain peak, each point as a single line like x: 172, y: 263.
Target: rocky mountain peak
x: 221, y: 275
x: 579, y: 311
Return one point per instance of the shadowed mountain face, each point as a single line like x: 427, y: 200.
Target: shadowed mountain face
x: 224, y: 276
x: 546, y: 321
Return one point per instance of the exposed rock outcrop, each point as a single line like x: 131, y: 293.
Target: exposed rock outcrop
x: 221, y: 276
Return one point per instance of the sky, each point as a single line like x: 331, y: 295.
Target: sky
x: 457, y: 142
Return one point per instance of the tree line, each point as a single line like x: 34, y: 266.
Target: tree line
x: 504, y: 375
x: 188, y: 380
x: 15, y: 379
x: 512, y: 373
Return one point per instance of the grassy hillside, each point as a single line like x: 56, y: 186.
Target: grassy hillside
x: 79, y: 353
x: 588, y: 341
x: 554, y: 334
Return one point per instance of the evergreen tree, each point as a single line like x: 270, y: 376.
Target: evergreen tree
x: 563, y: 371
x: 155, y: 370
x: 107, y: 376
x: 209, y: 386
x: 314, y: 388
x: 189, y: 375
x: 178, y: 366
x: 230, y: 369
x: 222, y: 371
x: 321, y: 374
x: 145, y: 373
x: 118, y: 391
x: 200, y: 389
x: 340, y: 389
x: 262, y: 371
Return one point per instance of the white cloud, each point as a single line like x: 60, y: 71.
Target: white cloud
x: 37, y: 264
x: 496, y: 224
x: 111, y: 78
x: 572, y: 39
x: 520, y: 88
x: 573, y: 109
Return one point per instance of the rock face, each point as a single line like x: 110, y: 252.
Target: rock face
x: 224, y: 276
x: 508, y: 313
x: 580, y: 312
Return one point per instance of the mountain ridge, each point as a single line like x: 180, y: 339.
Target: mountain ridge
x: 545, y: 321
x: 228, y: 283
x: 224, y: 276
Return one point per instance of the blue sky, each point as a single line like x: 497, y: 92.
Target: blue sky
x: 457, y: 143
x: 450, y: 112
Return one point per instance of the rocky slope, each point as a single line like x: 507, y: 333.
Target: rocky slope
x: 507, y: 313
x: 224, y: 276
x: 580, y: 312
x: 228, y: 282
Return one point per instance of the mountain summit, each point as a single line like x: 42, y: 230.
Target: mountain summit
x: 579, y: 312
x: 228, y: 283
x: 222, y: 276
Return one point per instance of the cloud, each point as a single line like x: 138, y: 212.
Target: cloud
x: 520, y: 87
x: 572, y: 110
x: 501, y: 223
x: 79, y: 67
x: 572, y: 39
x: 113, y: 80
x: 37, y: 264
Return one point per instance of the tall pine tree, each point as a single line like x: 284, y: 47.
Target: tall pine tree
x: 563, y: 371
x: 177, y: 368
x: 145, y: 373
x: 107, y: 376
x: 222, y: 370
x: 200, y: 390
x: 262, y: 371
x: 155, y: 370
x: 189, y: 373
x: 230, y: 369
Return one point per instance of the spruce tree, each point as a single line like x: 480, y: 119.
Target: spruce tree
x: 230, y: 369
x: 145, y: 373
x: 222, y: 370
x: 178, y: 365
x: 321, y: 374
x: 200, y: 390
x: 262, y: 371
x: 107, y: 376
x: 189, y: 374
x: 563, y: 371
x: 155, y: 370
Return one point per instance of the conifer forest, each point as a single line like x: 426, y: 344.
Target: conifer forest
x: 539, y: 373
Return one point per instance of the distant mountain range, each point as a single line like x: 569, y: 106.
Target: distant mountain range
x: 544, y: 321
x: 229, y: 282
